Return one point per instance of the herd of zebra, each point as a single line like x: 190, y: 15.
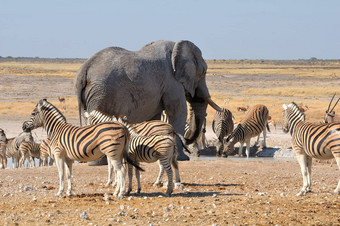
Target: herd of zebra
x: 122, y: 142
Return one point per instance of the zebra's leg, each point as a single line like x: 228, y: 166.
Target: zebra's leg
x: 138, y: 180
x: 68, y: 163
x: 167, y: 166
x: 264, y: 138
x: 248, y: 148
x: 337, y: 159
x: 219, y: 148
x: 178, y: 184
x: 130, y: 172
x: 240, y: 149
x: 160, y: 174
x: 110, y: 171
x: 302, y: 159
x: 309, y: 173
x: 22, y: 161
x: 60, y: 165
x: 120, y: 187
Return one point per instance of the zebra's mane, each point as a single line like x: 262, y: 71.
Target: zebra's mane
x: 50, y: 107
x: 295, y: 108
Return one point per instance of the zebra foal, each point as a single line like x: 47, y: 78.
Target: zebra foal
x: 69, y: 143
x: 150, y: 141
x: 320, y: 141
x: 222, y: 126
x: 9, y: 148
x: 252, y: 125
x: 29, y: 150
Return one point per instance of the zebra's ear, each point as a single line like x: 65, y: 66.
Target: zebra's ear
x: 284, y: 106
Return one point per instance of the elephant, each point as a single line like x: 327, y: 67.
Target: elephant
x: 162, y: 75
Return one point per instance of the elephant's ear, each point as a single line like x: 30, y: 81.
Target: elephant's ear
x: 188, y: 65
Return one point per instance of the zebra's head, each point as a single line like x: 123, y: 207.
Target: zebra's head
x: 3, y: 137
x: 291, y: 114
x: 229, y: 143
x: 37, y: 115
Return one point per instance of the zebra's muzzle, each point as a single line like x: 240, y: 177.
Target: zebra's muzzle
x: 27, y: 127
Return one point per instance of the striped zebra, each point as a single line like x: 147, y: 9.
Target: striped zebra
x: 29, y: 150
x: 222, y: 126
x: 320, y: 141
x: 150, y: 141
x: 3, y: 142
x: 252, y: 125
x: 45, y: 152
x: 189, y: 129
x: 69, y: 143
x: 9, y: 147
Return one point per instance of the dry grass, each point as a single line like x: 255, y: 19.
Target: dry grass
x: 271, y: 97
x: 306, y: 91
x: 25, y: 108
x: 68, y: 70
x: 320, y: 69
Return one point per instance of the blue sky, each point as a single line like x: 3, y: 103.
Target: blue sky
x: 240, y: 29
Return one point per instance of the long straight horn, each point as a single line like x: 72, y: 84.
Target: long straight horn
x: 335, y: 105
x: 330, y: 102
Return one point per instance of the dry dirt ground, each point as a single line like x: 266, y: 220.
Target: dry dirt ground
x: 217, y: 191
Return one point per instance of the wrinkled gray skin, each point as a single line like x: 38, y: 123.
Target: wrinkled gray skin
x: 162, y: 75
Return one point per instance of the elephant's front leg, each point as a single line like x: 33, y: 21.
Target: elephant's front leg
x: 176, y: 108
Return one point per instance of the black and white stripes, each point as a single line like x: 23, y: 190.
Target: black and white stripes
x: 69, y: 143
x: 321, y: 141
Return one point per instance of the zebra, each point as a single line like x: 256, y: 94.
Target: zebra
x: 189, y: 130
x: 222, y: 126
x: 3, y: 142
x: 70, y: 143
x: 29, y: 150
x: 150, y: 141
x: 9, y: 147
x: 320, y: 141
x: 45, y: 152
x: 252, y: 125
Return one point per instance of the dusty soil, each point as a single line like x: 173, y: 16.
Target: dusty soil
x: 216, y: 191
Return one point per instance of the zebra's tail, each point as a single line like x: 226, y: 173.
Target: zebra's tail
x: 181, y: 138
x: 126, y: 151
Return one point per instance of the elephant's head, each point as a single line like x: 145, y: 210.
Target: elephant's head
x: 190, y: 70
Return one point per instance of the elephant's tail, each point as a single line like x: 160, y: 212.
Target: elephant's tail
x: 80, y: 85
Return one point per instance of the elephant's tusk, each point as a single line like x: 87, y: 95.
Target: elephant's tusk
x: 213, y: 104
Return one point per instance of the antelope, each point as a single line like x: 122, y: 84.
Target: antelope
x: 242, y: 109
x: 62, y: 100
x: 303, y: 108
x: 330, y: 114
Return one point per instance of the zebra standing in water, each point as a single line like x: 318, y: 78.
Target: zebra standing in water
x: 320, y: 141
x: 252, y: 125
x: 150, y: 141
x: 69, y: 143
x: 29, y: 150
x: 222, y: 126
x: 45, y: 152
